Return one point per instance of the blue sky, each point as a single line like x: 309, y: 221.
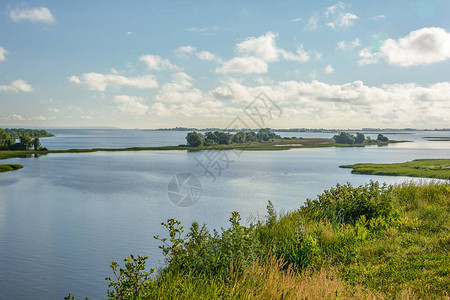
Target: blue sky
x: 151, y: 64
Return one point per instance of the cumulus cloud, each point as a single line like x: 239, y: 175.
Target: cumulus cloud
x: 100, y: 82
x: 40, y: 14
x: 243, y: 65
x: 17, y: 86
x: 262, y: 47
x: 131, y: 105
x: 179, y: 90
x: 205, y: 55
x: 183, y: 51
x: 419, y: 47
x: 319, y: 104
x: 2, y: 54
x: 155, y: 62
x: 255, y: 52
x: 296, y: 20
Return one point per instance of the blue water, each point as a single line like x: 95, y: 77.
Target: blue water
x: 65, y: 217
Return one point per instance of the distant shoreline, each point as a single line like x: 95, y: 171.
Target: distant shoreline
x: 274, y: 145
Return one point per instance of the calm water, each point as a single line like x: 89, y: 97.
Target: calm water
x: 65, y: 217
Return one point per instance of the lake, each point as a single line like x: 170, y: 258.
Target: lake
x: 65, y: 217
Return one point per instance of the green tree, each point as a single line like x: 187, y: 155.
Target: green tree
x: 195, y: 139
x: 382, y: 138
x: 210, y: 138
x: 223, y: 138
x: 25, y: 142
x: 265, y: 134
x: 36, y: 144
x: 360, y: 138
x: 240, y: 137
x: 344, y: 138
x: 251, y: 137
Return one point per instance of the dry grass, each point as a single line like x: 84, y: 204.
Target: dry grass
x: 272, y: 280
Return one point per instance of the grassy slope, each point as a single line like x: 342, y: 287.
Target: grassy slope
x: 364, y: 242
x: 430, y: 168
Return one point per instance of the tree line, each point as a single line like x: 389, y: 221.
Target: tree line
x: 359, y: 138
x: 196, y: 139
x: 22, y: 139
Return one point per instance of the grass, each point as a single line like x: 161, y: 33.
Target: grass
x: 368, y: 242
x: 429, y: 168
x: 10, y: 167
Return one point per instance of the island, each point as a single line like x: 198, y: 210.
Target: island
x: 429, y: 168
x: 25, y: 142
x: 15, y: 140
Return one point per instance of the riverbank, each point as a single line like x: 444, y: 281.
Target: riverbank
x: 429, y: 168
x: 368, y: 242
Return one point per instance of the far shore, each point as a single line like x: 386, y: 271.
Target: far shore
x: 272, y: 145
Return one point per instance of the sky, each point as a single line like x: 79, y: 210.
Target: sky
x: 278, y: 64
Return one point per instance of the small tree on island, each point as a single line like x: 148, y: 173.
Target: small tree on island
x: 344, y: 138
x: 360, y: 138
x: 382, y: 138
x: 195, y: 139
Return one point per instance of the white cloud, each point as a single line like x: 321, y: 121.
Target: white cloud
x: 349, y: 45
x: 244, y: 65
x: 131, y: 105
x: 41, y: 14
x: 337, y: 17
x: 419, y: 47
x: 184, y: 51
x: 204, y: 30
x: 75, y: 79
x: 205, y: 55
x: 155, y: 62
x: 2, y: 54
x: 312, y: 23
x: 179, y: 90
x: 255, y: 52
x: 129, y: 33
x: 37, y: 118
x: 319, y: 104
x: 377, y: 17
x: 16, y: 118
x: 262, y: 47
x: 329, y: 69
x: 368, y: 57
x: 17, y: 86
x: 100, y: 82
x: 296, y: 20
x: 300, y: 56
